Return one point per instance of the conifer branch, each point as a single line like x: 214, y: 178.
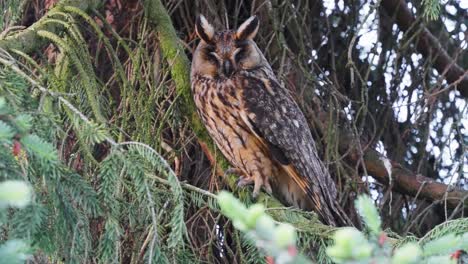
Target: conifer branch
x: 12, y: 64
x: 28, y: 40
x: 185, y: 186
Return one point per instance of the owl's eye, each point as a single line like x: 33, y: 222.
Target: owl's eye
x: 239, y: 54
x: 242, y: 50
x: 214, y: 54
x: 211, y: 55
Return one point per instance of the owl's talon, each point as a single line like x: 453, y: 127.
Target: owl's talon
x: 255, y: 194
x: 234, y: 171
x: 267, y: 187
x: 257, y: 186
x: 259, y: 183
x: 244, y: 181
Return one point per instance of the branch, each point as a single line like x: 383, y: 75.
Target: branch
x: 429, y: 46
x: 28, y: 40
x: 402, y: 180
x: 416, y: 185
x: 173, y: 51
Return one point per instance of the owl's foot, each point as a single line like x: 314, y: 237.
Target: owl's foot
x: 243, y: 181
x: 234, y: 171
x: 258, y: 183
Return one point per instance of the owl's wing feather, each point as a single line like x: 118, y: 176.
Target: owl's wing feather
x: 275, y: 151
x: 276, y: 119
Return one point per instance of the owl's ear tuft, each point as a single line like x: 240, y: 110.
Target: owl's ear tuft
x: 204, y: 29
x: 248, y: 29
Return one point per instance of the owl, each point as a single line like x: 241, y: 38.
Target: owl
x: 256, y: 123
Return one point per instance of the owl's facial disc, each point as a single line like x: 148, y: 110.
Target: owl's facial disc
x: 223, y: 53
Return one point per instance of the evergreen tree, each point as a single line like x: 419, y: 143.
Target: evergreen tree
x: 103, y: 158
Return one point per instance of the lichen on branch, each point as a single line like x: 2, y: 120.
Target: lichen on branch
x: 28, y: 39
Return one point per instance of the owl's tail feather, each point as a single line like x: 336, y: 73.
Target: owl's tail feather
x: 332, y: 213
x: 320, y: 199
x: 339, y: 215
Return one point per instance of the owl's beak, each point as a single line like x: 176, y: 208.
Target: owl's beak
x: 228, y: 68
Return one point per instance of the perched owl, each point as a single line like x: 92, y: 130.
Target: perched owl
x: 256, y: 123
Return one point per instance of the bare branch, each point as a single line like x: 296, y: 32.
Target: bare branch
x: 401, y: 179
x: 429, y: 46
x: 406, y: 182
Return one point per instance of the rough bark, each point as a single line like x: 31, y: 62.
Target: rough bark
x: 406, y: 182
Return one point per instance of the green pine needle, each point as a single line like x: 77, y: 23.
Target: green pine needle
x: 367, y: 210
x: 23, y: 123
x: 40, y: 148
x: 6, y: 131
x: 442, y: 245
x: 431, y: 9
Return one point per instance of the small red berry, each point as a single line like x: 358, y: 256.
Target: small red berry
x: 292, y: 250
x: 456, y: 254
x: 269, y: 260
x: 382, y: 238
x: 16, y: 148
